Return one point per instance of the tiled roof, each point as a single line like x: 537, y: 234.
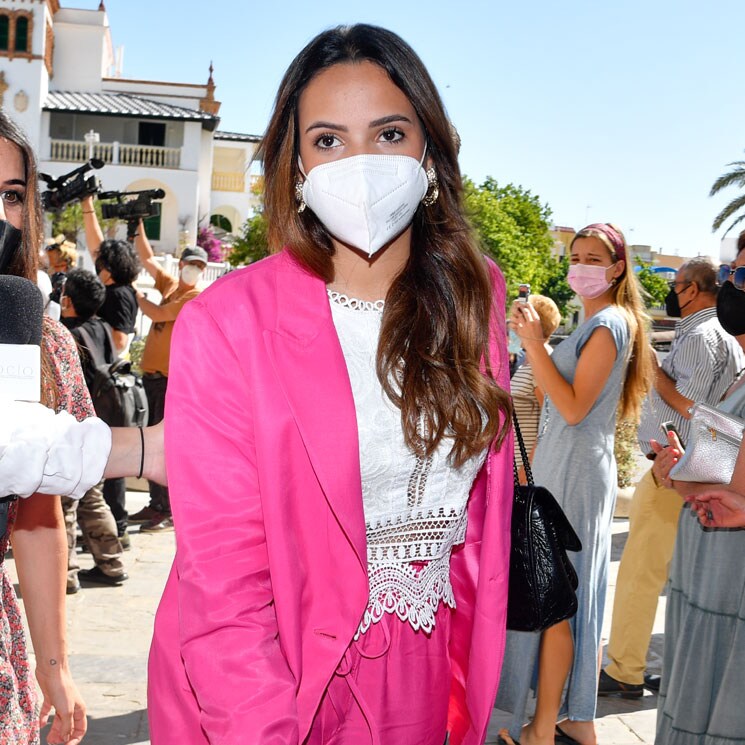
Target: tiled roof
x: 236, y: 137
x: 125, y: 104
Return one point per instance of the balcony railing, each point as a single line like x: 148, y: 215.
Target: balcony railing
x: 226, y: 181
x: 117, y: 153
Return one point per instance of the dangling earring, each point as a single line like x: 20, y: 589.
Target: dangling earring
x: 433, y: 188
x: 299, y: 196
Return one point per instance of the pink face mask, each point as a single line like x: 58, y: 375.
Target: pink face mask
x: 587, y: 280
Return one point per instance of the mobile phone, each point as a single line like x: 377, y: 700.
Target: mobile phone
x: 668, y: 427
x: 523, y: 292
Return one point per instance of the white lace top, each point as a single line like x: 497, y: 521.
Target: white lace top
x: 415, y: 507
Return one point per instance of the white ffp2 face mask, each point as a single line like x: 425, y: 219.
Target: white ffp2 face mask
x: 190, y: 274
x: 366, y: 200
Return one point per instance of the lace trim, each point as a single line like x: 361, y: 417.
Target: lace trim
x: 412, y: 595
x: 397, y: 586
x: 339, y: 298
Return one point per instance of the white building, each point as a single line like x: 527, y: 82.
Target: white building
x: 60, y: 79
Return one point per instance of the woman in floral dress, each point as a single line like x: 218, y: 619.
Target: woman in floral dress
x: 34, y: 526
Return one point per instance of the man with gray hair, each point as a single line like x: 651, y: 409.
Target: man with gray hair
x: 702, y: 364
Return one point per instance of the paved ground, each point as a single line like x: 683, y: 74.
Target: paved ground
x: 110, y: 628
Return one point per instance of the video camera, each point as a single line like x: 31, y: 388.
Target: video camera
x: 78, y: 183
x: 140, y: 206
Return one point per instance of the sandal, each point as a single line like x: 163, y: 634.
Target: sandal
x: 562, y: 738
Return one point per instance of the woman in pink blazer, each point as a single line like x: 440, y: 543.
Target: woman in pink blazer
x: 337, y: 440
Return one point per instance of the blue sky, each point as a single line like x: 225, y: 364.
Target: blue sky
x: 608, y: 110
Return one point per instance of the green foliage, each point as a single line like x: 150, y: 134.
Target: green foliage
x: 557, y: 287
x: 136, y: 348
x: 251, y: 245
x: 734, y: 177
x: 626, y: 449
x: 69, y: 221
x: 655, y: 287
x: 513, y: 227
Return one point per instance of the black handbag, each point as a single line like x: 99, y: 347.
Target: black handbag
x: 543, y: 583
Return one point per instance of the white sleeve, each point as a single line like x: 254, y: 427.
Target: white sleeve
x: 41, y: 451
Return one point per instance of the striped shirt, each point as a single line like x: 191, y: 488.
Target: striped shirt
x: 527, y: 409
x: 703, y: 361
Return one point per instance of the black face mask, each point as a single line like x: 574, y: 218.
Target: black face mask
x: 731, y: 309
x: 672, y: 303
x: 10, y: 243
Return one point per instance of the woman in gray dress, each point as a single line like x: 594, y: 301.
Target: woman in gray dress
x: 701, y: 692
x: 604, y: 363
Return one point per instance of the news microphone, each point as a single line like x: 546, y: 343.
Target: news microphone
x: 21, y: 312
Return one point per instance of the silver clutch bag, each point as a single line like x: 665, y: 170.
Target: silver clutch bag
x: 712, y: 450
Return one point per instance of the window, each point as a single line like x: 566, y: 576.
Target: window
x: 152, y: 133
x: 4, y: 32
x: 15, y: 33
x: 222, y: 222
x: 152, y: 227
x: 22, y: 39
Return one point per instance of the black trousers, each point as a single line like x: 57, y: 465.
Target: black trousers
x: 155, y: 390
x: 115, y: 495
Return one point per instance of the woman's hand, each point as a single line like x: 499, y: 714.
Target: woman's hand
x: 526, y: 323
x: 667, y: 456
x: 721, y: 508
x: 61, y: 694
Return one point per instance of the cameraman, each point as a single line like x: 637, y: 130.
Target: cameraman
x: 117, y: 267
x: 156, y: 517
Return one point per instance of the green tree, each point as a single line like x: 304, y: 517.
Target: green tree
x: 251, y: 245
x: 734, y: 177
x: 557, y: 287
x: 69, y: 221
x: 513, y: 227
x: 654, y: 286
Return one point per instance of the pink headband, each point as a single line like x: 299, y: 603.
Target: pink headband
x: 614, y: 237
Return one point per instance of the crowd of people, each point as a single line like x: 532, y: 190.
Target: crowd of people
x: 334, y: 422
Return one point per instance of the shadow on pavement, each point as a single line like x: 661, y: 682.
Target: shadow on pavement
x: 123, y: 729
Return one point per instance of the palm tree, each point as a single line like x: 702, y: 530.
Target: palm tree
x: 735, y: 176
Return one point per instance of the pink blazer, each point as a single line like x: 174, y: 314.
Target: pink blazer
x: 270, y: 582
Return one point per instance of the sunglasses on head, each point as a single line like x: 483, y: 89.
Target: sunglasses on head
x: 736, y: 275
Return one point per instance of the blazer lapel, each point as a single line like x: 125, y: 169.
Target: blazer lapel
x: 309, y: 363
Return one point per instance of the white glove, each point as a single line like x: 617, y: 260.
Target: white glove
x: 41, y: 451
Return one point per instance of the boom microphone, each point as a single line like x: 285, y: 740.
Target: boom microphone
x: 21, y: 312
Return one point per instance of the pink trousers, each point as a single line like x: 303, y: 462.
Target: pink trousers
x: 392, y: 686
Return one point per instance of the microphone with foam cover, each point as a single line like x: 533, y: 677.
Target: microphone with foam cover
x: 21, y: 313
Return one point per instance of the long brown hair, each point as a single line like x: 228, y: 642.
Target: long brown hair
x: 435, y: 327
x: 26, y: 262
x: 627, y: 297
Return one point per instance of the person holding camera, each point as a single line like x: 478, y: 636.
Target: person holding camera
x: 117, y: 267
x: 602, y: 367
x: 156, y: 516
x: 82, y: 297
